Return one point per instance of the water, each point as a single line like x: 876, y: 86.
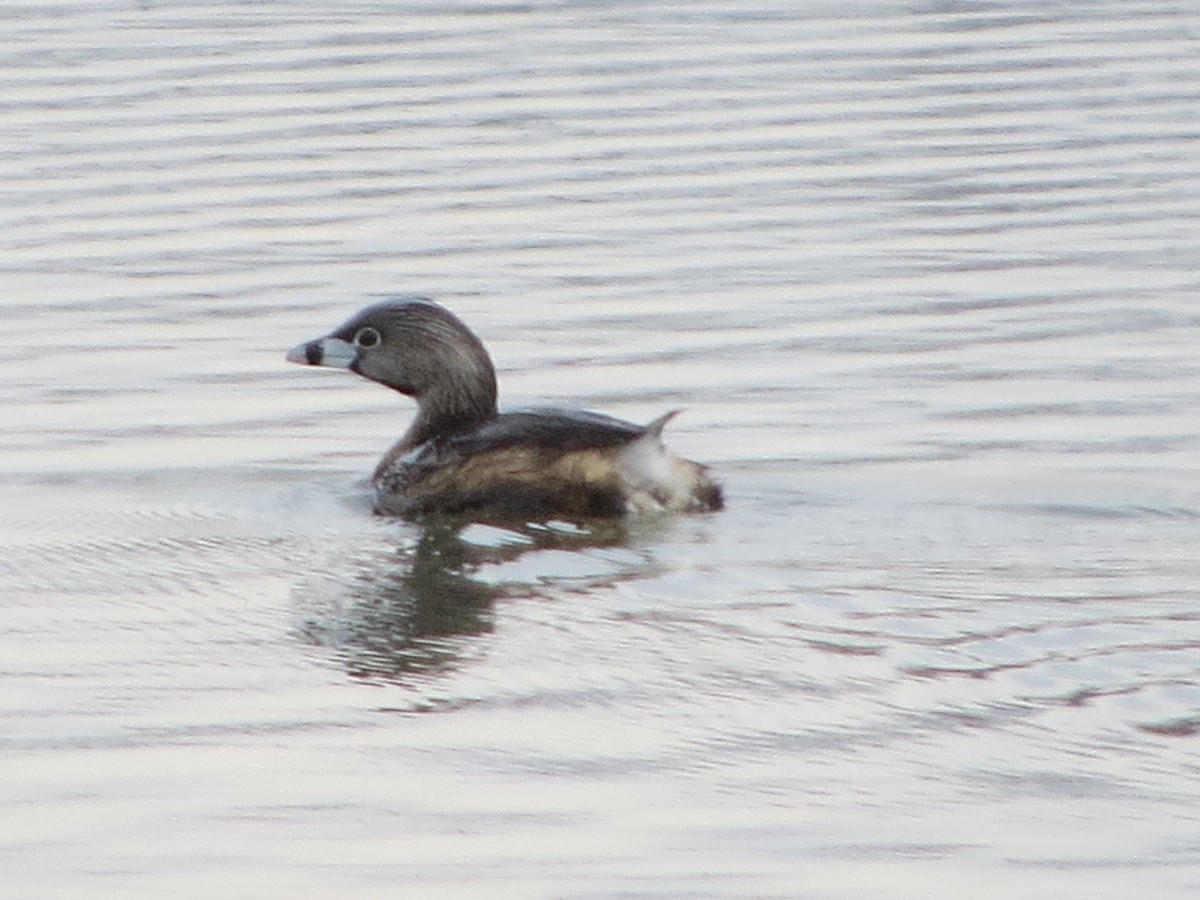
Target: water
x: 923, y: 276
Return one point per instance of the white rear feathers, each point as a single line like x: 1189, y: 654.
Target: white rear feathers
x: 656, y: 481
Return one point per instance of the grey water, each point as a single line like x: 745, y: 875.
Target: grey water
x: 923, y: 277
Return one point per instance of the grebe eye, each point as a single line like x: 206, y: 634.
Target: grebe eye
x: 367, y: 338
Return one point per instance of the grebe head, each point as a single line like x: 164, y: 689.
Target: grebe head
x: 420, y: 349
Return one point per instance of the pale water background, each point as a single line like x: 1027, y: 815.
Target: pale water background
x: 924, y: 276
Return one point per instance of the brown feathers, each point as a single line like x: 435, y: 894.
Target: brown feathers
x: 520, y: 481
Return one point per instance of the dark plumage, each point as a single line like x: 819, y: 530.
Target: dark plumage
x: 460, y: 455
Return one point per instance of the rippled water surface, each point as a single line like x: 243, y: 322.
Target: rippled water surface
x: 922, y: 274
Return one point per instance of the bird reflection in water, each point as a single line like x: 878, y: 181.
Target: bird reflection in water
x: 409, y: 614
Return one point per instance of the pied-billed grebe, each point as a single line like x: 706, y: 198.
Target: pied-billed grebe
x: 461, y: 456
